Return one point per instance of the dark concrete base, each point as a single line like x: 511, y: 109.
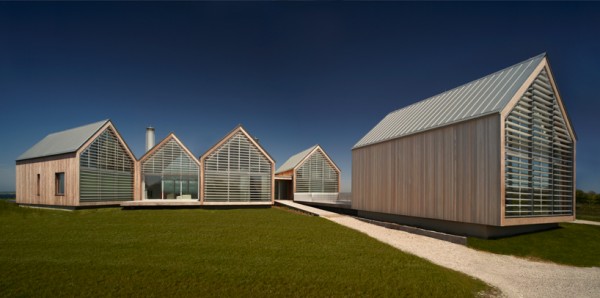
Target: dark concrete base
x: 456, y: 228
x: 433, y: 234
x: 331, y: 207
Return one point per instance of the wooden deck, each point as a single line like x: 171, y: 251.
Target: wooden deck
x: 190, y: 203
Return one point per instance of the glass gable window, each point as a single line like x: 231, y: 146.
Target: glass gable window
x: 170, y: 173
x: 539, y: 155
x: 237, y: 172
x: 106, y: 170
x: 316, y: 174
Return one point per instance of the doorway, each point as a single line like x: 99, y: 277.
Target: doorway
x: 283, y: 190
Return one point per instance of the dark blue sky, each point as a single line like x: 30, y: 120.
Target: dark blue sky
x: 294, y: 74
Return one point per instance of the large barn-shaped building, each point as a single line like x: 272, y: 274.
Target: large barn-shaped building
x: 306, y: 173
x: 492, y: 157
x: 84, y: 166
x: 237, y: 170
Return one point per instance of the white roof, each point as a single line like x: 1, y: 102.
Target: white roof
x: 478, y: 98
x: 293, y: 161
x: 66, y: 141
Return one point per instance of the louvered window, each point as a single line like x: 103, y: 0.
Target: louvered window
x: 237, y: 172
x: 316, y: 174
x: 539, y: 155
x: 170, y: 173
x: 106, y: 170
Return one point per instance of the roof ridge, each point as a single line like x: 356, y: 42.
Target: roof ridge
x: 473, y: 99
x: 467, y: 83
x: 307, y: 150
x: 63, y: 142
x: 73, y: 128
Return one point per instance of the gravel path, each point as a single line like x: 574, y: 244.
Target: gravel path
x: 515, y: 277
x: 587, y: 222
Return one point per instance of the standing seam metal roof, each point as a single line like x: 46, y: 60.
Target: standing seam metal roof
x: 62, y: 142
x: 293, y: 161
x: 481, y: 97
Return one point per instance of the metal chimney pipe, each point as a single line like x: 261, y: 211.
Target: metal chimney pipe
x: 149, y: 138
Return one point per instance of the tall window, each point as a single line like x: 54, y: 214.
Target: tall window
x: 539, y: 155
x: 59, y: 184
x: 237, y: 172
x: 316, y: 174
x: 106, y: 170
x: 170, y: 173
x: 38, y: 185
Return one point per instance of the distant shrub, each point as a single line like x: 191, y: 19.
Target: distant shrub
x: 590, y: 197
x: 7, y: 196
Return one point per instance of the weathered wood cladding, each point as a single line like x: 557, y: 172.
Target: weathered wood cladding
x: 47, y: 167
x: 288, y: 173
x: 450, y: 173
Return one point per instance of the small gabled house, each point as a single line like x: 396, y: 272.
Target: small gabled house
x: 237, y: 170
x: 84, y: 166
x: 492, y: 157
x: 310, y: 171
x: 169, y: 171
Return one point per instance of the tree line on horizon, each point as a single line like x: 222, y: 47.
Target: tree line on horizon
x: 589, y: 197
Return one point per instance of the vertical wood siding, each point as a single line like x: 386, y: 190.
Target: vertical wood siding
x: 450, y: 173
x: 285, y: 174
x: 47, y: 167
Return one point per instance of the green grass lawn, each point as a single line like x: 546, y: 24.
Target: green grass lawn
x: 203, y: 252
x: 588, y: 212
x: 571, y: 244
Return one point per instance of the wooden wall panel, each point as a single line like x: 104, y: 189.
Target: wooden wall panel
x: 138, y: 190
x: 449, y: 173
x: 47, y: 167
x: 287, y: 173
